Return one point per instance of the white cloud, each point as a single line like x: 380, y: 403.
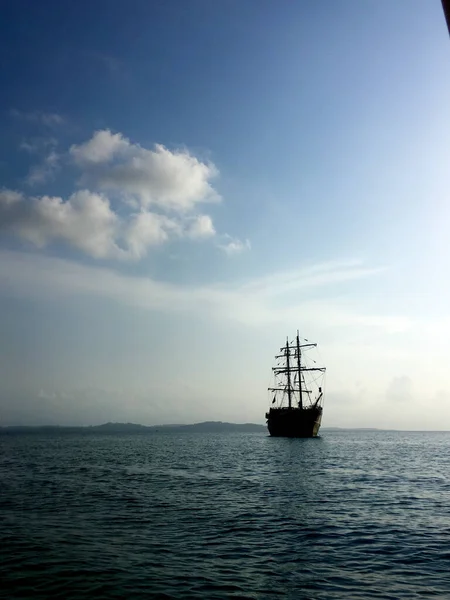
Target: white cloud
x: 201, y: 227
x: 159, y: 192
x: 85, y: 221
x: 148, y: 229
x: 234, y: 246
x: 171, y: 180
x: 9, y: 198
x: 101, y: 148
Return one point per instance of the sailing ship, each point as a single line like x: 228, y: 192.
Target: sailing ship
x: 298, y: 396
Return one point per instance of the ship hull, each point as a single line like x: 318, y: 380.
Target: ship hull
x: 294, y: 422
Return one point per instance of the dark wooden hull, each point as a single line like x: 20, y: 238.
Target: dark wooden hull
x: 294, y: 422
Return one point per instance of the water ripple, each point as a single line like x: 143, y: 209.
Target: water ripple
x: 351, y: 515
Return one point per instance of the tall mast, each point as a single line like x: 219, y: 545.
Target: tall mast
x: 288, y: 372
x: 300, y: 402
x: 286, y: 369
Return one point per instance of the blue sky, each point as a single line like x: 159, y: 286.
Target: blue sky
x: 183, y: 184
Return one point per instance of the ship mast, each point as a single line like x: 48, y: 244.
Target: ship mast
x: 300, y: 401
x: 288, y: 367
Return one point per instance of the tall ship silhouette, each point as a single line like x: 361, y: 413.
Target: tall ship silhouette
x: 297, y: 403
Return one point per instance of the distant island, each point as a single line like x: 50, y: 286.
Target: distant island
x: 130, y: 428
x: 205, y: 427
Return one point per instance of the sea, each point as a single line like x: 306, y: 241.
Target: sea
x: 353, y: 514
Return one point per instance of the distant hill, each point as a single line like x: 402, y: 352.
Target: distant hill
x: 206, y: 427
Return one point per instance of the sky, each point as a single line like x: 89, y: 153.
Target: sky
x: 184, y: 184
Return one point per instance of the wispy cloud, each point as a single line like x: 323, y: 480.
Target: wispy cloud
x: 45, y: 148
x: 38, y: 145
x: 44, y: 172
x: 310, y: 276
x: 111, y: 63
x: 34, y: 275
x: 43, y: 118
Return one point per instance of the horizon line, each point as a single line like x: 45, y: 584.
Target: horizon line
x: 130, y: 424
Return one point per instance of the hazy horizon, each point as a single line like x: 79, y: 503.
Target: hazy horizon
x: 175, y: 425
x: 182, y: 186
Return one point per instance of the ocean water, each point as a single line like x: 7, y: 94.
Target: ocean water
x: 354, y: 514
